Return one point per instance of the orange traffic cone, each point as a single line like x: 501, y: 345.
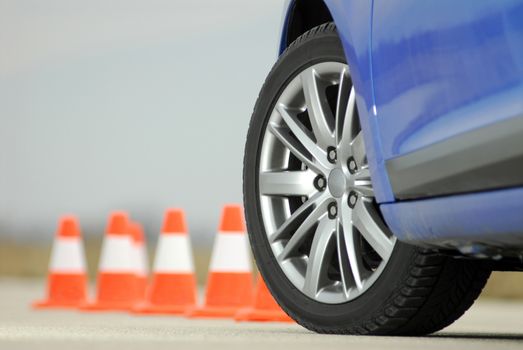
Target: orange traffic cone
x: 67, y: 281
x: 229, y: 286
x: 139, y: 259
x: 264, y: 307
x: 117, y: 288
x: 173, y: 286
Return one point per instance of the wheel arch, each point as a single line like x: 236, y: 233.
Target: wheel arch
x: 301, y: 16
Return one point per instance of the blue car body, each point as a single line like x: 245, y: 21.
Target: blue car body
x: 440, y: 96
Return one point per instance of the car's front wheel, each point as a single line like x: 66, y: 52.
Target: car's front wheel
x: 315, y: 228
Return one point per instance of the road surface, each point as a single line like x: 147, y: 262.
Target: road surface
x: 489, y: 325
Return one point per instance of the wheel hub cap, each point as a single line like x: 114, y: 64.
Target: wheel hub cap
x: 337, y: 183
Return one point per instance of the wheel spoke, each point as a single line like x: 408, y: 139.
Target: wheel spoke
x: 362, y: 182
x: 304, y: 137
x: 287, y: 183
x: 350, y: 260
x: 302, y: 230
x: 342, y: 103
x: 372, y: 228
x: 318, y: 108
x: 347, y: 125
x: 358, y: 150
x: 296, y: 148
x: 299, y: 214
x: 319, y: 258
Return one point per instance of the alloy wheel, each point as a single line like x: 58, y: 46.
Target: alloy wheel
x: 315, y: 191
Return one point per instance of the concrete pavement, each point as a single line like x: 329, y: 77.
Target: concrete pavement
x: 488, y: 325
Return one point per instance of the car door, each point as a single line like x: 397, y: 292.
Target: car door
x: 442, y: 69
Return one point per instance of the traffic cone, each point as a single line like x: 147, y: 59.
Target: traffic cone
x: 139, y: 259
x: 173, y: 286
x: 264, y: 307
x: 229, y: 286
x: 67, y: 280
x: 117, y: 287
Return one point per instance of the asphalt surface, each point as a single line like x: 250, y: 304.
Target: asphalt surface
x: 488, y: 325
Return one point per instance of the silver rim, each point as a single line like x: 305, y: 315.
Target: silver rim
x: 316, y: 197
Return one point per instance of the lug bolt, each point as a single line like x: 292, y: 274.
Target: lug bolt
x: 331, y: 154
x: 353, y: 197
x: 332, y: 210
x: 352, y: 165
x: 320, y: 183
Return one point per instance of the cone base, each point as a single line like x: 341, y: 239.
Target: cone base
x: 259, y: 315
x: 106, y: 307
x: 151, y: 309
x: 64, y: 291
x: 141, y: 286
x: 50, y: 304
x: 212, y: 312
x: 116, y: 292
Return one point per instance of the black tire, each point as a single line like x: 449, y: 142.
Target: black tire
x: 420, y: 291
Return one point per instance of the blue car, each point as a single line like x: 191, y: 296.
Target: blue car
x: 383, y: 169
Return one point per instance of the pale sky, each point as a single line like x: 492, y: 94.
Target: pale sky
x: 134, y: 105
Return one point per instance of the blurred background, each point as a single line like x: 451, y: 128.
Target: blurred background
x: 133, y: 105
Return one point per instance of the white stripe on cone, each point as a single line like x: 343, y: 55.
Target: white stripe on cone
x: 174, y: 254
x: 117, y: 255
x: 67, y: 256
x: 231, y: 253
